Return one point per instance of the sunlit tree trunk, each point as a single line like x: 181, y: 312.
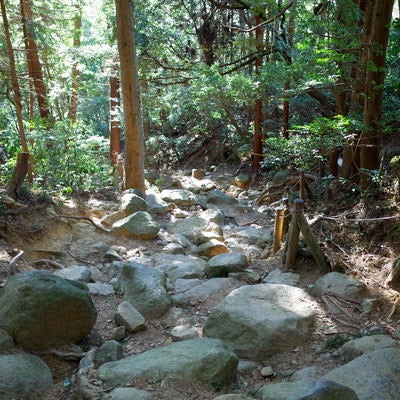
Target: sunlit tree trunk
x: 258, y: 116
x: 33, y: 61
x: 115, y: 124
x: 286, y: 104
x: 73, y: 105
x: 134, y: 141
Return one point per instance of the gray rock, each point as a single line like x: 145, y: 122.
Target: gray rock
x: 184, y: 332
x: 223, y: 264
x: 233, y: 396
x: 195, y: 291
x: 217, y: 197
x: 174, y: 248
x: 6, y: 341
x: 199, y: 228
x: 131, y: 202
x: 126, y: 315
x: 340, y: 284
x: 327, y: 390
x: 113, y: 217
x: 310, y: 374
x: 41, y: 310
x: 23, y: 377
x: 75, y: 273
x: 356, y: 347
x: 145, y: 289
x: 139, y: 225
x: 374, y: 375
x: 284, y: 390
x: 285, y: 278
x: 101, y: 289
x: 258, y: 321
x: 156, y: 205
x: 204, y: 359
x: 128, y: 394
x: 180, y: 197
x: 258, y: 236
x: 179, y: 266
x: 108, y: 351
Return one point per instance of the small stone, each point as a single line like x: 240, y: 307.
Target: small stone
x: 118, y: 333
x: 267, y: 372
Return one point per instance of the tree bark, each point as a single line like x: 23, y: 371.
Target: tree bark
x: 377, y: 41
x: 115, y: 123
x: 14, y: 79
x: 258, y: 117
x: 73, y: 104
x: 13, y: 187
x: 33, y: 61
x: 134, y: 141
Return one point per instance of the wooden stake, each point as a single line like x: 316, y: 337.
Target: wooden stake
x: 294, y: 234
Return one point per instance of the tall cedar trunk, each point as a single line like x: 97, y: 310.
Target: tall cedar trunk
x: 14, y: 79
x: 258, y: 118
x: 351, y: 153
x: 34, y: 64
x: 115, y: 124
x: 377, y: 42
x: 134, y: 142
x: 286, y: 104
x: 73, y: 104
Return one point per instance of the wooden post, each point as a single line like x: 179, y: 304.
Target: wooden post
x: 312, y: 244
x: 294, y: 233
x: 278, y: 228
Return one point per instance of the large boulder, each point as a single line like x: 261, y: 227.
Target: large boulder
x: 258, y: 321
x: 23, y: 377
x: 139, y: 225
x: 145, y: 289
x: 303, y: 390
x: 205, y: 360
x: 41, y: 310
x: 375, y: 375
x: 337, y: 283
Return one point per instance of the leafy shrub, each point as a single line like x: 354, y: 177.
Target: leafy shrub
x: 69, y: 157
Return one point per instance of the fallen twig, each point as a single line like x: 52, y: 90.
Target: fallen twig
x: 15, y: 259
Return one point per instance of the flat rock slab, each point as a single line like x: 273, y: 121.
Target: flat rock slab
x: 204, y: 359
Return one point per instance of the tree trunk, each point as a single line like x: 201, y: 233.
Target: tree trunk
x: 258, y: 118
x: 13, y: 187
x: 377, y: 42
x: 134, y: 142
x: 14, y: 79
x: 73, y: 105
x: 34, y: 64
x: 115, y: 124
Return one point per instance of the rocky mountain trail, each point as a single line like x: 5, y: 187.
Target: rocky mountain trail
x: 190, y: 302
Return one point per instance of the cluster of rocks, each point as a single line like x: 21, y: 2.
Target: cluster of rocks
x: 253, y: 317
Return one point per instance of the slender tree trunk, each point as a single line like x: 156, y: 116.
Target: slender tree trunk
x: 33, y: 61
x: 14, y: 79
x: 115, y: 124
x: 73, y: 105
x: 134, y: 141
x: 258, y: 117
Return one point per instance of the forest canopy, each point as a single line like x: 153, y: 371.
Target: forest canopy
x: 305, y: 84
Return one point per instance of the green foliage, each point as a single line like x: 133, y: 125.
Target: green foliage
x: 335, y: 342
x: 69, y: 157
x: 309, y: 143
